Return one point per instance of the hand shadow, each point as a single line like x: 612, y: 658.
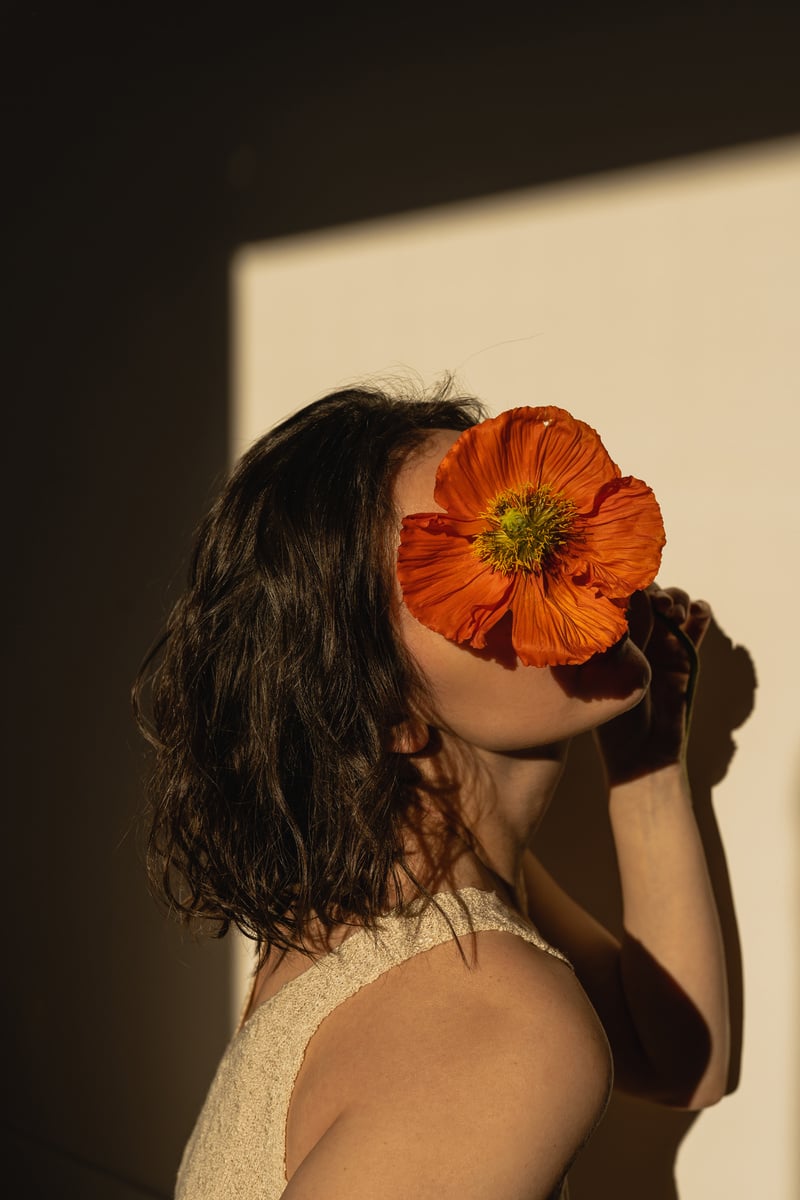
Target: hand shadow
x: 633, y: 1152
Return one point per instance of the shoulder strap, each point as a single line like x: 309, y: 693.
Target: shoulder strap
x: 295, y: 1012
x: 456, y: 914
x: 367, y: 954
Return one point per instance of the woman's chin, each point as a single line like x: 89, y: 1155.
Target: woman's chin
x: 620, y: 673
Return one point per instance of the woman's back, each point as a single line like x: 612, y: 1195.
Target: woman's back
x: 434, y: 1058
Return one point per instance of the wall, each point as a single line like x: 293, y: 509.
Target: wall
x: 138, y: 156
x: 660, y: 305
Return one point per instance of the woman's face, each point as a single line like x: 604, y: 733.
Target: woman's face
x: 487, y: 697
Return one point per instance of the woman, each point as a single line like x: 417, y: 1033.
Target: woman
x: 352, y: 771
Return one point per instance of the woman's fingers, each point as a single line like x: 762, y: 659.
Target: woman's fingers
x: 640, y: 618
x: 698, y: 620
x: 675, y: 605
x: 671, y: 603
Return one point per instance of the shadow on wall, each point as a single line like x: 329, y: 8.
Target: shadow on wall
x: 634, y: 1150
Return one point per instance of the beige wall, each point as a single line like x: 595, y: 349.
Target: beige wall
x: 662, y: 306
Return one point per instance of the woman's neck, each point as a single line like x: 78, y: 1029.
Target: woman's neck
x: 478, y: 813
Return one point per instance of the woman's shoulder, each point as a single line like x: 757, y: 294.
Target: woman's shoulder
x: 441, y: 1058
x: 501, y: 987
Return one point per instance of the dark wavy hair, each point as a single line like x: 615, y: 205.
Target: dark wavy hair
x: 276, y: 796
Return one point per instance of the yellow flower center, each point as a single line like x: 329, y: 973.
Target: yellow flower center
x: 526, y: 526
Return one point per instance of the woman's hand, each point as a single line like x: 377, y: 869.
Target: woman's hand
x: 668, y: 628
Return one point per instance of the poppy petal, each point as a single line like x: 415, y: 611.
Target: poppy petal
x: 623, y: 539
x: 445, y: 586
x: 575, y: 463
x: 539, y: 446
x: 558, y: 624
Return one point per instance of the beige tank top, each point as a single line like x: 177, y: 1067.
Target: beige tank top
x: 238, y: 1146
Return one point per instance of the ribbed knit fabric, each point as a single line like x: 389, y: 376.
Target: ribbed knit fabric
x: 238, y: 1147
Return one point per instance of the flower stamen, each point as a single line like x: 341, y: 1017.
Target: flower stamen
x: 527, y: 525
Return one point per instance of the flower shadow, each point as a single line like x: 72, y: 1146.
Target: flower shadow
x: 499, y: 647
x: 604, y: 676
x: 633, y: 1152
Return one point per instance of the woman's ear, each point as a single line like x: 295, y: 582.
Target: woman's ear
x: 409, y: 736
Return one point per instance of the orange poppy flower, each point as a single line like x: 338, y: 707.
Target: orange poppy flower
x: 538, y: 521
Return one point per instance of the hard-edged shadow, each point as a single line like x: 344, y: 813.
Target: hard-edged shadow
x: 633, y: 1152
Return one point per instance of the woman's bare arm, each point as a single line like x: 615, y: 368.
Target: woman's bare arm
x: 661, y: 992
